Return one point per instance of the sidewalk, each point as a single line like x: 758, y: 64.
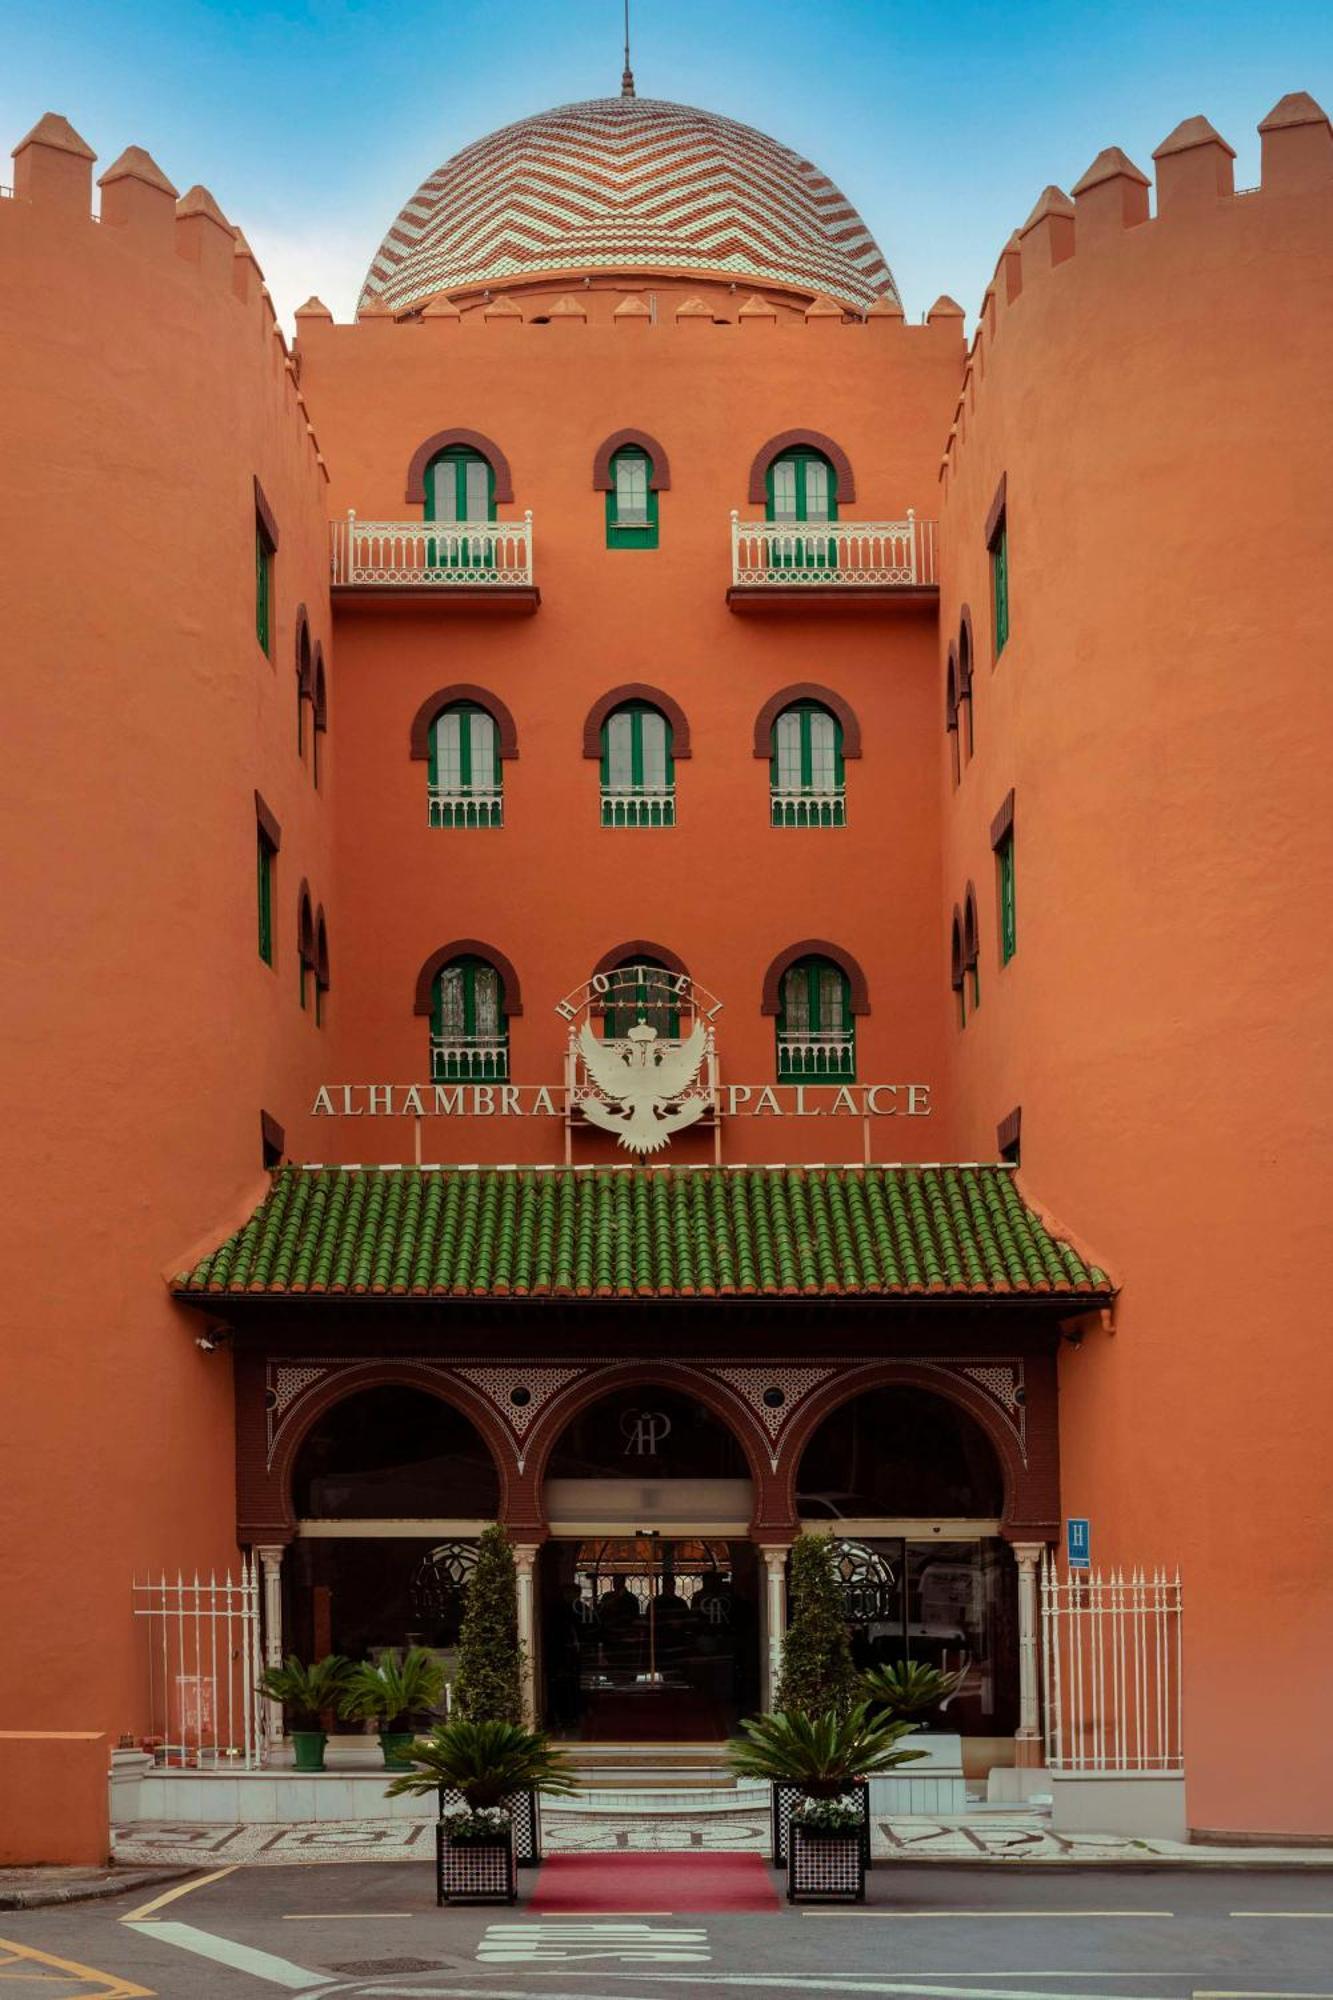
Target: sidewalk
x: 38, y: 1888
x: 1021, y: 1838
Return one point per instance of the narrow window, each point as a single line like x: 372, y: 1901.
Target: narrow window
x: 272, y: 1141
x: 263, y: 588
x: 638, y: 769
x: 469, y: 1031
x: 970, y: 945
x: 967, y: 739
x: 463, y: 768
x: 816, y: 1027
x: 1008, y: 1137
x: 1004, y: 882
x: 631, y: 504
x: 321, y: 970
x: 951, y: 718
x: 807, y: 785
x: 801, y: 487
x: 266, y: 855
x: 641, y: 991
x: 999, y: 582
x: 957, y: 973
x: 305, y: 949
x: 320, y: 717
x: 460, y: 491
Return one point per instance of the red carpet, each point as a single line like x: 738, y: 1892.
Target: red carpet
x: 651, y: 1884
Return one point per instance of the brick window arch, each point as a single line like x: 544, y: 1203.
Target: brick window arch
x: 448, y: 697
x: 430, y: 448
x: 811, y: 691
x: 305, y: 941
x: 660, y: 477
x: 858, y: 992
x: 797, y: 440
x: 957, y: 964
x: 321, y: 965
x: 635, y: 949
x: 970, y: 942
x: 467, y: 948
x: 625, y: 697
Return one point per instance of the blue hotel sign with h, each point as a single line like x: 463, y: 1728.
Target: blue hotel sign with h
x: 1078, y: 1543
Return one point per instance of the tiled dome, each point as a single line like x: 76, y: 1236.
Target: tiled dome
x: 627, y: 184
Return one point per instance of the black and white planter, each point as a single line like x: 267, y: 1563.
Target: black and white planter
x: 786, y: 1794
x: 524, y: 1809
x: 474, y: 1871
x: 825, y: 1867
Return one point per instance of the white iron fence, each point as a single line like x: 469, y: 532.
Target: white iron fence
x: 1111, y: 1660
x: 434, y: 555
x: 851, y: 554
x: 203, y: 1647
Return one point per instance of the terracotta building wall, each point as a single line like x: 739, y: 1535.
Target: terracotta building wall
x: 552, y: 890
x: 1156, y: 398
x: 145, y: 390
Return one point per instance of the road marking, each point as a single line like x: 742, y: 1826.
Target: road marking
x: 345, y: 1916
x: 947, y: 1916
x: 931, y: 1991
x: 111, y: 1987
x: 1209, y: 1993
x: 1301, y: 1916
x: 241, y: 1957
x: 559, y: 1940
x: 144, y: 1912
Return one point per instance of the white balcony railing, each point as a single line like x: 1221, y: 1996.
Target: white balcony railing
x: 453, y: 808
x: 855, y: 555
x: 628, y: 808
x: 815, y: 1056
x: 432, y: 555
x: 453, y: 1061
x: 800, y: 808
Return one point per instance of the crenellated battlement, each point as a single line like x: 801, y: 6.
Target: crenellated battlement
x: 1115, y: 202
x: 141, y: 212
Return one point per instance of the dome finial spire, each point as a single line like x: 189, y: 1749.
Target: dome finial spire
x: 627, y: 74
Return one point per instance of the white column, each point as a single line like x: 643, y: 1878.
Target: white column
x: 525, y: 1555
x: 270, y: 1559
x: 775, y: 1616
x: 1027, y: 1741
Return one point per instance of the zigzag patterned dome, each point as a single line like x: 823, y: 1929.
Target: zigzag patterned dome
x: 631, y: 185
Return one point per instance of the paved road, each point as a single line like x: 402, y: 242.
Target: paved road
x: 373, y: 1933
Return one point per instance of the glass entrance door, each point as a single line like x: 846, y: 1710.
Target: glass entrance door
x: 649, y: 1640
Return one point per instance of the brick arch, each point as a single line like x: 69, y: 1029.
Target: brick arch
x: 430, y: 447
x: 725, y: 1403
x: 807, y: 691
x: 383, y: 1375
x: 505, y: 726
x: 660, y: 481
x: 815, y: 948
x: 936, y: 1381
x: 966, y: 653
x: 635, y: 949
x: 304, y: 656
x: 321, y: 948
x: 814, y: 441
x: 468, y: 948
x: 636, y: 691
x: 951, y: 689
x: 305, y: 924
x: 970, y: 929
x: 956, y: 950
x: 319, y: 690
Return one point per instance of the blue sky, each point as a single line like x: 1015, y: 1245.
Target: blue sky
x: 312, y: 121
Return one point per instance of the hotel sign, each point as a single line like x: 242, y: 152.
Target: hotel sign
x: 540, y: 1100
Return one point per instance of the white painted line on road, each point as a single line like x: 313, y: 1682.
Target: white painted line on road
x: 1209, y: 1993
x: 823, y: 1984
x: 557, y: 1940
x: 947, y: 1916
x: 241, y: 1957
x: 144, y: 1912
x: 1299, y: 1916
x: 344, y: 1916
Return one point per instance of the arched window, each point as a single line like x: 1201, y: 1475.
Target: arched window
x: 951, y: 714
x: 463, y: 768
x: 321, y: 968
x: 321, y: 710
x: 801, y: 486
x: 638, y: 769
x: 469, y: 1030
x: 304, y: 677
x: 807, y: 785
x: 965, y: 729
x: 956, y: 966
x: 816, y: 1027
x: 305, y: 943
x: 631, y: 501
x: 640, y: 990
x: 460, y: 490
x: 970, y: 949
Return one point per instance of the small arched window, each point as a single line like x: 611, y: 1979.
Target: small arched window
x: 816, y: 1027
x: 641, y: 990
x: 631, y: 501
x: 469, y: 1030
x: 957, y: 974
x: 965, y: 729
x: 320, y: 706
x: 304, y: 677
x: 463, y: 768
x: 970, y: 944
x: 321, y: 968
x: 638, y: 768
x: 801, y: 486
x: 305, y: 944
x: 807, y: 785
x: 460, y: 490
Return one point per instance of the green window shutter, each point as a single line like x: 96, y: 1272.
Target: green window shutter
x: 263, y: 590
x: 638, y: 768
x: 265, y: 898
x: 999, y: 564
x: 1004, y: 860
x: 814, y: 1002
x: 468, y: 1024
x: 463, y: 768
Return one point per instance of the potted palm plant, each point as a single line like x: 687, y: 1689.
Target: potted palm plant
x: 306, y: 1693
x: 914, y: 1691
x: 396, y: 1694
x: 910, y: 1688
x: 487, y: 1764
x: 817, y: 1765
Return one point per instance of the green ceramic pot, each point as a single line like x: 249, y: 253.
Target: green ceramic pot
x: 395, y: 1744
x: 309, y: 1747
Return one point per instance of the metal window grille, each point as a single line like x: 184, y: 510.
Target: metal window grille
x: 1111, y: 1660
x: 203, y: 1662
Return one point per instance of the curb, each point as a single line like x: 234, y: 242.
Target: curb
x: 39, y: 1898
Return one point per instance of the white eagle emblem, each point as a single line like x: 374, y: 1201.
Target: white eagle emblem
x: 645, y: 1081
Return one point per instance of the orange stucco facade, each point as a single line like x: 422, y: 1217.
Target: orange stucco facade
x: 1152, y: 397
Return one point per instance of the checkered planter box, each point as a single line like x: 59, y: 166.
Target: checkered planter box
x: 785, y: 1796
x: 825, y: 1867
x: 524, y: 1809
x: 474, y: 1871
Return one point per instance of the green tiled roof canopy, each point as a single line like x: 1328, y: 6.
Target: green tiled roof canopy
x: 711, y: 1232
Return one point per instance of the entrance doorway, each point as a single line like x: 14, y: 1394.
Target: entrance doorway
x: 649, y: 1638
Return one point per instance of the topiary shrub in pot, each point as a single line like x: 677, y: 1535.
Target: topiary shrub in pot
x: 818, y: 1677
x: 397, y: 1694
x: 306, y: 1693
x: 488, y: 1686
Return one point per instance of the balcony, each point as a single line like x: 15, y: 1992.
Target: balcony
x: 484, y: 565
x: 807, y: 808
x: 622, y: 806
x: 817, y: 1058
x: 476, y: 808
x: 483, y: 1061
x: 853, y: 564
